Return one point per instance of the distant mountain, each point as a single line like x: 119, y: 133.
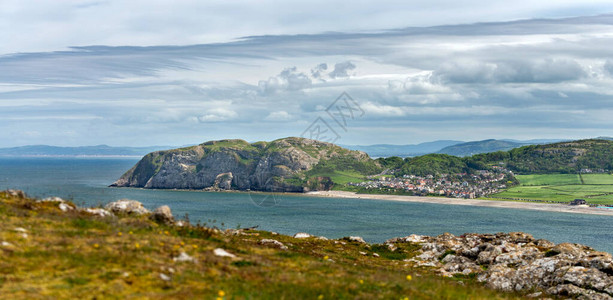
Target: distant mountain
x: 477, y: 147
x: 386, y: 150
x: 100, y: 150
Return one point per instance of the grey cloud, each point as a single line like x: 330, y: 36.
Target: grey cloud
x: 319, y: 70
x: 288, y: 80
x: 341, y: 69
x: 608, y: 67
x: 542, y: 71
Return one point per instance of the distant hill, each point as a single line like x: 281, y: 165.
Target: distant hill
x: 477, y: 147
x: 386, y: 150
x: 563, y: 157
x: 285, y: 165
x: 100, y: 150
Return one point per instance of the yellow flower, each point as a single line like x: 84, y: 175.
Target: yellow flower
x: 130, y: 232
x: 137, y: 245
x: 182, y: 244
x: 96, y: 245
x: 326, y: 257
x: 166, y: 232
x: 195, y: 246
x: 219, y: 298
x: 409, y: 277
x: 320, y: 297
x: 361, y: 281
x: 119, y: 233
x: 161, y: 243
x: 221, y: 293
x: 405, y: 298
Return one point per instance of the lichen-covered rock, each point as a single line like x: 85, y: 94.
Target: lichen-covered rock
x: 126, y: 206
x: 274, y: 243
x: 518, y: 262
x: 163, y: 215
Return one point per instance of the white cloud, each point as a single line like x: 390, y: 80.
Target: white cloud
x: 218, y: 115
x: 278, y: 116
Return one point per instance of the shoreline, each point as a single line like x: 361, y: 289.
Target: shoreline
x: 470, y: 202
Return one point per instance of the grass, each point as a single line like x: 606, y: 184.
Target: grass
x: 73, y: 255
x: 595, y: 188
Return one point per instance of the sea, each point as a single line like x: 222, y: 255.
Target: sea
x: 85, y: 181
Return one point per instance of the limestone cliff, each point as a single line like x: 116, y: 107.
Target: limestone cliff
x: 285, y: 165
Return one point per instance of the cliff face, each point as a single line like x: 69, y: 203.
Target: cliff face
x: 280, y: 165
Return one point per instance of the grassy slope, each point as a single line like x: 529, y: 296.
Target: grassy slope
x: 595, y: 188
x: 73, y: 255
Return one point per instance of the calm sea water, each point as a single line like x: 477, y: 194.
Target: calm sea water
x: 85, y: 181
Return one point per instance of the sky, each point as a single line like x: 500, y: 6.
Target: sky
x: 140, y: 73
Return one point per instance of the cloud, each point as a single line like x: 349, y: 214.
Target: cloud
x: 278, y: 116
x: 608, y: 67
x: 341, y: 69
x: 540, y: 71
x: 288, y: 80
x: 319, y: 70
x: 218, y: 115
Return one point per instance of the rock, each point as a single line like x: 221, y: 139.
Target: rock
x: 518, y: 262
x: 363, y: 253
x: 223, y: 253
x: 163, y: 215
x: 356, y: 239
x: 52, y: 199
x: 126, y: 206
x: 65, y: 207
x: 20, y: 229
x: 375, y: 254
x: 184, y: 257
x: 224, y: 181
x: 16, y: 193
x: 98, y: 212
x: 302, y: 235
x: 164, y: 277
x: 274, y: 243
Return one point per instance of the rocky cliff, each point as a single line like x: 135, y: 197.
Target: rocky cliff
x: 284, y: 165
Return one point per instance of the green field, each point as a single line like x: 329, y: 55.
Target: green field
x: 595, y: 188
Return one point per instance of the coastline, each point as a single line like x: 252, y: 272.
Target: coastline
x: 470, y: 202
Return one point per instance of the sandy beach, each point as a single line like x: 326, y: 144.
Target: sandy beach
x: 581, y: 209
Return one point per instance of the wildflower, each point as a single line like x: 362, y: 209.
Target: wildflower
x: 320, y: 297
x: 409, y: 277
x: 137, y: 245
x: 219, y: 298
x: 119, y: 234
x: 176, y: 246
x: 195, y: 246
x: 166, y: 232
x: 182, y: 244
x: 130, y: 232
x: 221, y: 293
x: 162, y: 244
x: 96, y: 246
x: 326, y: 257
x: 361, y: 281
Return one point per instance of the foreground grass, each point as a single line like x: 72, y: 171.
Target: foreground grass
x: 595, y: 188
x: 74, y: 255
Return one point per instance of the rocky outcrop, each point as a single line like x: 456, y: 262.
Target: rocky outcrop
x: 125, y: 206
x: 281, y: 166
x: 163, y: 215
x: 518, y: 262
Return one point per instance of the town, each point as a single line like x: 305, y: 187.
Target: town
x: 461, y: 185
